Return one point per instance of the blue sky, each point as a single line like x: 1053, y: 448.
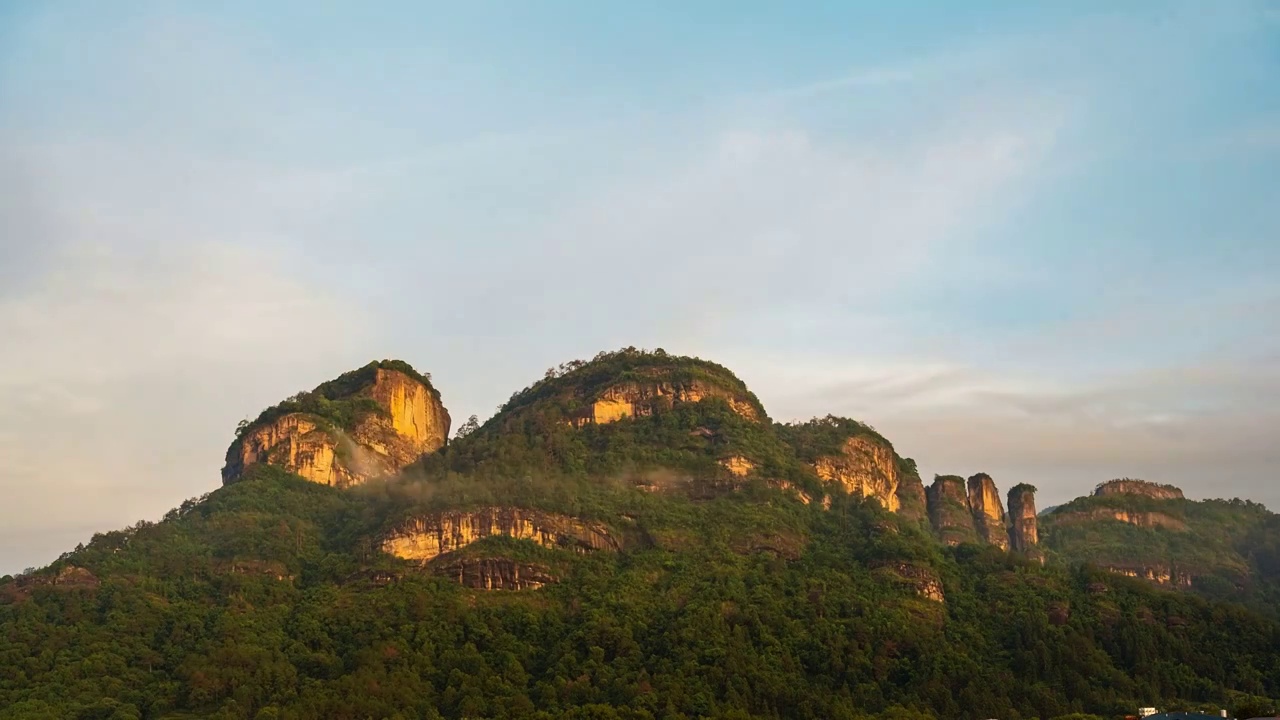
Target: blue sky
x: 1037, y: 241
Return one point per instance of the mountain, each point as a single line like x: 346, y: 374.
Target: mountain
x: 1218, y: 548
x: 634, y: 537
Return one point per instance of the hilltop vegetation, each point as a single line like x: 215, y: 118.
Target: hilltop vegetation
x: 264, y: 600
x: 725, y: 590
x: 1221, y: 548
x: 337, y: 402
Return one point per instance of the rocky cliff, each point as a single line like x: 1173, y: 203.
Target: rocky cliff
x: 949, y: 512
x: 367, y: 423
x: 643, y: 398
x: 865, y: 466
x: 988, y: 511
x: 911, y: 497
x: 496, y: 573
x: 1024, y: 532
x: 425, y: 538
x: 1129, y: 486
x: 631, y: 383
x: 1159, y: 573
x: 1140, y: 518
x: 851, y: 457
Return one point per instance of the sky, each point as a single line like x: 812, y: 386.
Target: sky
x: 1036, y: 240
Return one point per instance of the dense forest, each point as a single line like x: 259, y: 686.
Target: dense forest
x: 729, y: 595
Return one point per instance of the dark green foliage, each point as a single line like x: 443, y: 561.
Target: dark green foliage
x: 1229, y: 546
x: 338, y: 401
x: 688, y: 440
x: 729, y: 598
x: 256, y: 601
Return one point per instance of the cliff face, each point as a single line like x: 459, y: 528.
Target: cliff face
x: 911, y: 497
x: 643, y: 398
x: 496, y: 574
x: 69, y: 577
x: 1140, y: 518
x: 1024, y: 532
x: 369, y: 423
x: 865, y: 466
x: 1158, y: 573
x: 415, y: 422
x: 1139, y: 487
x: 295, y: 442
x: 988, y: 511
x: 737, y: 465
x: 426, y: 538
x: 949, y: 512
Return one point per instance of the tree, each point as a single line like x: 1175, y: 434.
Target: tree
x: 467, y: 427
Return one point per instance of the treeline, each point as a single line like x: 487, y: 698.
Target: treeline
x: 266, y: 601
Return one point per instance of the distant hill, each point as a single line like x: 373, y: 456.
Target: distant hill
x: 634, y: 537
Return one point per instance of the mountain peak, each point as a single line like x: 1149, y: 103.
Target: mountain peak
x: 365, y: 423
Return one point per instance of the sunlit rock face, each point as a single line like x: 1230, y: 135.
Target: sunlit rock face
x: 397, y: 419
x: 1160, y: 574
x: 296, y: 442
x: 1140, y: 518
x: 865, y: 466
x: 644, y: 398
x: 988, y: 511
x: 738, y: 466
x: 425, y: 538
x: 1139, y: 487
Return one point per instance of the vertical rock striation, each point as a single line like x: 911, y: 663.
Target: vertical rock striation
x: 1024, y: 532
x: 988, y: 511
x: 367, y: 423
x: 949, y: 512
x: 865, y: 466
x: 911, y: 499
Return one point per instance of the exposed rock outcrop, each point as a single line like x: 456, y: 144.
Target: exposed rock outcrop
x: 865, y: 466
x: 949, y: 512
x: 643, y: 398
x: 921, y: 580
x: 988, y: 511
x: 496, y: 574
x: 415, y: 422
x: 801, y: 495
x: 1140, y: 518
x: 1160, y: 574
x: 70, y: 577
x: 1024, y: 531
x: 1129, y: 486
x: 368, y: 423
x: 302, y: 444
x: 425, y: 538
x: 911, y: 496
x: 738, y: 466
